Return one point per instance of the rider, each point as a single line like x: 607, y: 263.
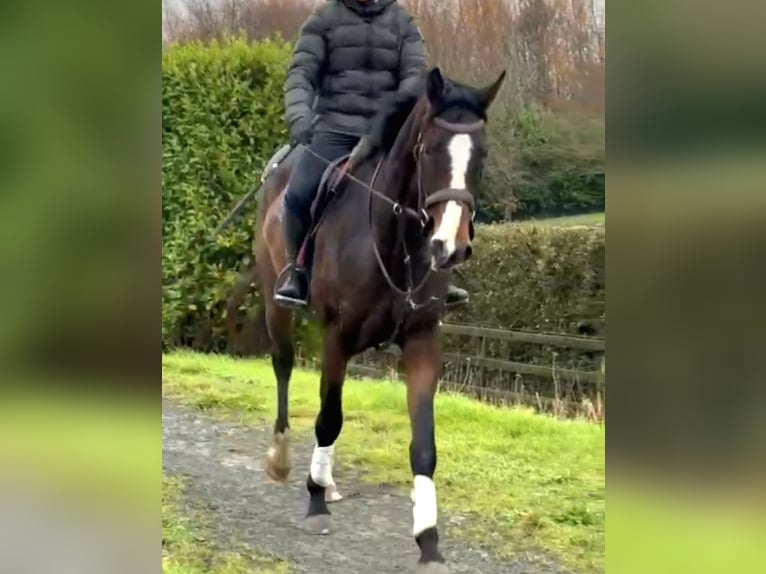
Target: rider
x: 351, y: 54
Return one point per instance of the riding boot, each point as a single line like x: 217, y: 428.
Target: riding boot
x: 293, y: 292
x: 456, y: 295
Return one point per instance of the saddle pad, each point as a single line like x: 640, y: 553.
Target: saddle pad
x: 327, y: 184
x: 324, y: 196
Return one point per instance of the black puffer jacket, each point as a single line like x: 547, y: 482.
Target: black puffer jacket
x: 350, y: 56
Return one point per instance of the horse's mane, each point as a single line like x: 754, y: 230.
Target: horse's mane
x: 396, y: 109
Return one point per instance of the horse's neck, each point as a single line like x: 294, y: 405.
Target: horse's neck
x: 398, y: 172
x: 398, y: 179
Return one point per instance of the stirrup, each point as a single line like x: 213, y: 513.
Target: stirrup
x: 285, y: 300
x: 290, y: 302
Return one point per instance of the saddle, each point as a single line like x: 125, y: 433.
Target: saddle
x: 329, y: 189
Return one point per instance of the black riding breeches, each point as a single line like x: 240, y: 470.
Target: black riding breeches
x: 304, y: 182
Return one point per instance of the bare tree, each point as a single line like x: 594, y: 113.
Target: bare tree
x: 209, y: 19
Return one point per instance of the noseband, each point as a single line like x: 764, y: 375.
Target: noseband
x: 426, y: 201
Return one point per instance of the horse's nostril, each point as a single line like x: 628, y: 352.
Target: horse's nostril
x: 437, y: 247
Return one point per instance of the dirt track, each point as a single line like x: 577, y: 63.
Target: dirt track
x: 371, y: 536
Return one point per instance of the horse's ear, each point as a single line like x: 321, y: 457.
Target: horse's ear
x: 487, y: 95
x: 435, y: 86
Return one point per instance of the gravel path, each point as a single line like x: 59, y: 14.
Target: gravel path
x: 224, y: 464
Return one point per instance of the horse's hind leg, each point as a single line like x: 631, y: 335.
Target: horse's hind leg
x: 279, y: 322
x: 422, y: 361
x: 329, y: 421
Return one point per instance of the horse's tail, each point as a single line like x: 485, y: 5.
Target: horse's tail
x: 251, y: 337
x: 246, y: 336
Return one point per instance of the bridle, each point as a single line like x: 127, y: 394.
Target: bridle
x: 425, y: 202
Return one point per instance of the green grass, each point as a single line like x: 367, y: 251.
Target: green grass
x: 588, y: 219
x: 528, y: 481
x: 185, y: 547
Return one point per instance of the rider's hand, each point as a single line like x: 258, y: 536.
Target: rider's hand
x: 360, y: 152
x: 301, y: 131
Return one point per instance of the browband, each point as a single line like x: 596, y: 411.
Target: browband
x: 459, y: 128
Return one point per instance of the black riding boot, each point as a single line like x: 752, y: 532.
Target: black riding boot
x: 293, y: 292
x: 456, y: 295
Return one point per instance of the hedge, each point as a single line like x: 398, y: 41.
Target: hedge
x: 531, y: 277
x: 222, y: 119
x: 548, y: 279
x: 543, y: 164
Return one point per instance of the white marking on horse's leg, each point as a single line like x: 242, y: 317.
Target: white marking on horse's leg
x: 321, y: 471
x: 460, y: 148
x: 321, y: 466
x: 331, y: 493
x: 424, y: 505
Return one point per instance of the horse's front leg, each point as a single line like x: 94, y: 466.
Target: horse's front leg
x: 422, y: 362
x: 329, y: 421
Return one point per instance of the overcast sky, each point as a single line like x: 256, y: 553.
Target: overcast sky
x: 600, y: 7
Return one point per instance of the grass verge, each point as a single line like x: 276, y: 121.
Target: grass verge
x: 528, y: 482
x: 185, y: 546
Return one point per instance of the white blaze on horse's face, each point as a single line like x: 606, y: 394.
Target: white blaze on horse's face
x: 460, y: 148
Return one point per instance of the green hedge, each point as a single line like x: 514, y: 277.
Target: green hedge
x: 533, y: 277
x: 221, y: 120
x: 543, y: 164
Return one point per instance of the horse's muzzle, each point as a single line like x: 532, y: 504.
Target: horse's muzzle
x: 444, y: 256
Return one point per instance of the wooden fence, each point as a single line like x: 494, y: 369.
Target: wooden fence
x: 462, y: 371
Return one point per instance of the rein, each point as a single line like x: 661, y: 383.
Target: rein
x: 397, y: 207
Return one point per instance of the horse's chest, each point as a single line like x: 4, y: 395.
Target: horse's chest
x: 368, y: 327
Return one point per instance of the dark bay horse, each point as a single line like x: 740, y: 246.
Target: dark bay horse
x: 402, y: 218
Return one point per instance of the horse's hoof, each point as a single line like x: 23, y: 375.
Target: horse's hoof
x: 432, y: 568
x: 319, y: 524
x: 278, y: 459
x: 278, y: 474
x: 331, y: 494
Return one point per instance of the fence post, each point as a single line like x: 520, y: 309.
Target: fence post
x: 482, y: 354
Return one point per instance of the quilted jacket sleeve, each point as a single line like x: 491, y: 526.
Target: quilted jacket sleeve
x: 303, y: 76
x: 412, y: 59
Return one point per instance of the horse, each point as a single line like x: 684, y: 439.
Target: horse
x: 398, y: 221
